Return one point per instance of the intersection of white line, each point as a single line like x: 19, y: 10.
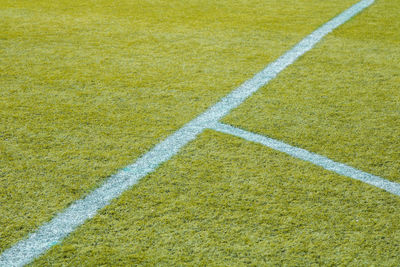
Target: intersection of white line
x: 313, y: 158
x: 49, y: 234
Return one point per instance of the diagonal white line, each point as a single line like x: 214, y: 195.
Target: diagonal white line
x: 316, y: 159
x: 68, y: 220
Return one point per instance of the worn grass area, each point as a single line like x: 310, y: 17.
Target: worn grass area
x: 228, y: 202
x: 342, y: 99
x: 88, y: 86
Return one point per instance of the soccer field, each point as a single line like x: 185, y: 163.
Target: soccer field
x: 129, y: 135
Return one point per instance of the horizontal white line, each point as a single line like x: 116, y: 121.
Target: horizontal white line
x: 67, y: 221
x: 316, y: 159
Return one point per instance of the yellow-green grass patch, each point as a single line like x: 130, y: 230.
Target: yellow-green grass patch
x: 342, y: 99
x: 87, y: 87
x: 228, y: 202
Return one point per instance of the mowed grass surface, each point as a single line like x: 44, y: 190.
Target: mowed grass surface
x: 89, y: 86
x: 342, y: 99
x: 228, y: 202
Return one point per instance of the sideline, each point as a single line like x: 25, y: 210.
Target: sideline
x: 52, y: 232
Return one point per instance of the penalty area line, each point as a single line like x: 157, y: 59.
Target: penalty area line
x: 313, y: 158
x: 64, y: 223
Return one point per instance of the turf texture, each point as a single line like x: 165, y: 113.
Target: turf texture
x: 342, y: 99
x: 87, y: 87
x: 263, y: 208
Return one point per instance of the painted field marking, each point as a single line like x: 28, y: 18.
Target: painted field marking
x: 51, y: 233
x: 314, y: 158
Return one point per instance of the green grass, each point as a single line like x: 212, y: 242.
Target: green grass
x: 224, y: 201
x: 87, y: 87
x: 342, y: 99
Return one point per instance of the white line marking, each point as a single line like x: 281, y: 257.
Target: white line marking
x: 316, y: 159
x: 67, y: 221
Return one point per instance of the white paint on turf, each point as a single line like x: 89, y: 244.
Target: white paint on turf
x: 67, y: 221
x: 316, y: 159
